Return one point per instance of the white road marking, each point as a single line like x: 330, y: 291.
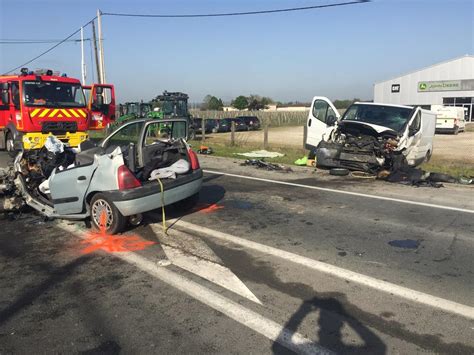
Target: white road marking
x: 192, y: 254
x: 253, y: 320
x: 358, y: 194
x: 380, y: 285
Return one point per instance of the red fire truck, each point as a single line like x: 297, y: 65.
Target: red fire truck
x: 101, y: 105
x: 36, y: 104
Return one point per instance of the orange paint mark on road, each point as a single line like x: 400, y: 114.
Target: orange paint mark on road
x: 208, y: 208
x: 112, y: 243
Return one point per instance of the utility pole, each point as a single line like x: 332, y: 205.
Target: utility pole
x: 97, y: 64
x: 83, y: 62
x: 101, y: 46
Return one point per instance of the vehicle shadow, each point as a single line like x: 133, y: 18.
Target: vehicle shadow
x: 332, y: 318
x: 208, y: 196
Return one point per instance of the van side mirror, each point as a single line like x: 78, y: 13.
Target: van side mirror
x: 411, y: 131
x: 331, y: 120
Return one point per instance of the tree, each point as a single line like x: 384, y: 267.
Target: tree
x: 256, y: 102
x: 212, y: 103
x: 240, y: 103
x: 342, y: 104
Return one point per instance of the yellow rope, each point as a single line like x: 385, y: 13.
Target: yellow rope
x: 163, y: 215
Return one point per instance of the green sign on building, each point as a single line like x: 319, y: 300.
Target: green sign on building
x: 443, y: 85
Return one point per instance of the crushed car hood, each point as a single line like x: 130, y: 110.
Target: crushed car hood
x: 378, y: 129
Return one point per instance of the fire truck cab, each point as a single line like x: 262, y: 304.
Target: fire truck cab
x: 34, y: 105
x: 101, y: 105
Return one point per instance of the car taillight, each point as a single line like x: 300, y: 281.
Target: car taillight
x: 126, y: 180
x: 193, y: 159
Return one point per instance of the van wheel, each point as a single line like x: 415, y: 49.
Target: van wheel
x: 105, y: 217
x: 10, y: 145
x: 456, y: 131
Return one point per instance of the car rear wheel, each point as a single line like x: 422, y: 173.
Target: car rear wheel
x: 105, y: 216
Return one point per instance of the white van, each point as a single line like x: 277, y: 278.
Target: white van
x: 369, y: 136
x: 449, y: 119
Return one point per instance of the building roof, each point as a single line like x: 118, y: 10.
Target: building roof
x: 430, y: 66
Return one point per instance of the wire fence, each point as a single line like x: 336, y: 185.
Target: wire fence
x: 273, y: 119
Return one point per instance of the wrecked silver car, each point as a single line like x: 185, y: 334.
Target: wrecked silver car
x: 369, y: 136
x: 142, y: 166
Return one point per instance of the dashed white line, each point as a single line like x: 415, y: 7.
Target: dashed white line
x: 351, y: 193
x: 380, y: 285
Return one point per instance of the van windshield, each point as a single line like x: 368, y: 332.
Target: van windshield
x: 387, y: 116
x: 53, y: 94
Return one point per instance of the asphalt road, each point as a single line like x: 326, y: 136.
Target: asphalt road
x: 257, y: 267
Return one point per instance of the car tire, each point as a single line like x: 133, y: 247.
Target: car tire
x: 188, y: 203
x: 115, y: 220
x: 10, y: 145
x: 339, y: 172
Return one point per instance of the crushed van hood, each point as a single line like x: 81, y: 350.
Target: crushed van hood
x: 376, y: 128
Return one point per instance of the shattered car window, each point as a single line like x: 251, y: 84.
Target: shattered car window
x: 126, y: 135
x: 164, y: 131
x: 392, y: 117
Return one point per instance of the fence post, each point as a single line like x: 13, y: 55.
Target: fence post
x: 265, y: 136
x: 203, y: 130
x: 232, y: 133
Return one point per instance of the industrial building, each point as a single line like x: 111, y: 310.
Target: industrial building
x: 449, y: 83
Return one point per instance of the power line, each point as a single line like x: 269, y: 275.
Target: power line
x: 37, y: 41
x: 304, y: 8
x: 49, y: 49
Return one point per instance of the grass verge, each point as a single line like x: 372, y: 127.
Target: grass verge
x: 225, y: 150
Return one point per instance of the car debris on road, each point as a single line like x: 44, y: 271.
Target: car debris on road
x: 262, y: 164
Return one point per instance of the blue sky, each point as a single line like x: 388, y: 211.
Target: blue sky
x: 336, y: 52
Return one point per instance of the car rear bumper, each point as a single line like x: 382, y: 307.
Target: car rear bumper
x: 148, y: 197
x: 446, y: 129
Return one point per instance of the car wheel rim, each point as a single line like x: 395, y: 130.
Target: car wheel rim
x: 98, y: 208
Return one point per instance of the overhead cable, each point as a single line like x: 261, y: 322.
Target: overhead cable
x: 245, y: 13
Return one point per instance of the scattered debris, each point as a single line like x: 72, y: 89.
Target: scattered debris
x: 205, y: 150
x: 261, y: 154
x: 302, y: 161
x: 260, y: 163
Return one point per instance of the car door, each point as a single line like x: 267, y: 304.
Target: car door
x: 68, y: 188
x: 321, y: 119
x: 415, y: 150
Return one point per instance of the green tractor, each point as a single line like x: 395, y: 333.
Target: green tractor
x: 169, y: 105
x: 174, y: 105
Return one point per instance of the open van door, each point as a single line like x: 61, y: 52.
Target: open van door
x: 419, y: 136
x: 322, y: 118
x: 101, y: 104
